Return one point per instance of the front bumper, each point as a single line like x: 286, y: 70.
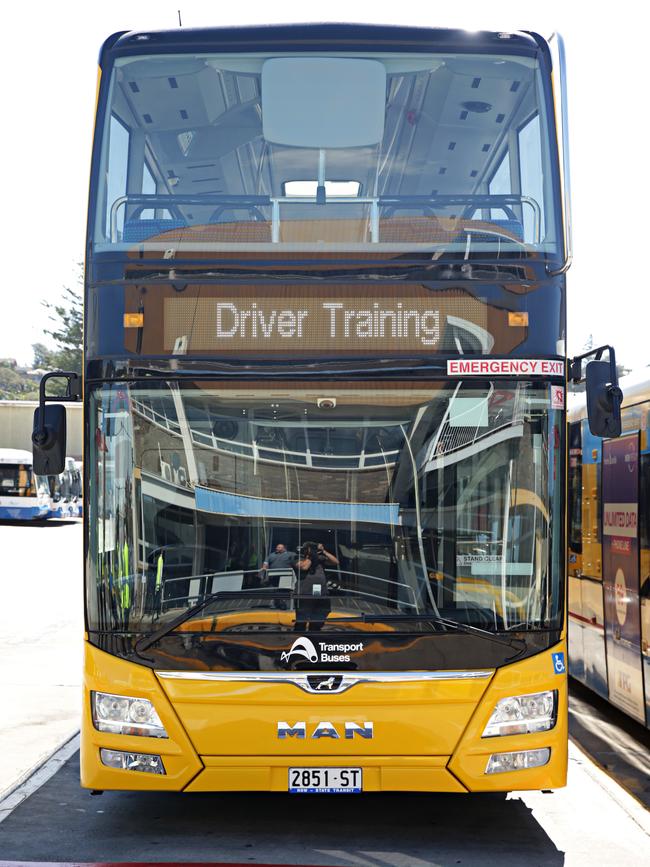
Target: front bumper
x: 224, y: 737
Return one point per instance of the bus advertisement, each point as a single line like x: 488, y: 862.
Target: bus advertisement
x: 609, y: 554
x: 325, y: 412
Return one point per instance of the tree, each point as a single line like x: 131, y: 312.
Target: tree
x: 67, y: 333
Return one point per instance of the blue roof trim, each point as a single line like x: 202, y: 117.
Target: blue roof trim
x: 223, y: 503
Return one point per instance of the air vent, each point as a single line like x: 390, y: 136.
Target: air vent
x: 485, y: 148
x: 442, y: 170
x: 134, y: 87
x: 477, y: 107
x: 473, y: 173
x: 183, y: 114
x: 452, y: 145
x: 514, y: 87
x: 499, y: 118
x: 463, y: 115
x: 147, y: 118
x: 476, y: 83
x: 173, y: 83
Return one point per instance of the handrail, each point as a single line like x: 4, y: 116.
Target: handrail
x: 152, y: 200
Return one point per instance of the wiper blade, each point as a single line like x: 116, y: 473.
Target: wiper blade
x: 429, y: 618
x: 146, y: 641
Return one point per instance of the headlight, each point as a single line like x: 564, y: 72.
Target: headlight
x: 523, y: 714
x: 142, y: 762
x: 501, y: 763
x: 124, y: 715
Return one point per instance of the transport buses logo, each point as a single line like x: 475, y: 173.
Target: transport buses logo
x: 300, y: 647
x: 327, y: 651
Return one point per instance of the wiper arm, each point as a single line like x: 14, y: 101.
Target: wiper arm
x: 429, y: 618
x: 146, y: 641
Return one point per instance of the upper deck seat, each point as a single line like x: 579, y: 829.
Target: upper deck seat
x: 144, y: 230
x: 136, y: 231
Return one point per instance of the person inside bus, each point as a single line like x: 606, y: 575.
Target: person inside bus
x: 311, y: 612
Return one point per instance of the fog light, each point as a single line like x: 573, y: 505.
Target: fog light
x: 143, y: 762
x: 125, y: 715
x: 523, y: 714
x: 501, y: 763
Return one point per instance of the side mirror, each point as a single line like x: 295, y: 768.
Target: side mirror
x: 48, y: 440
x: 604, y: 399
x: 49, y: 433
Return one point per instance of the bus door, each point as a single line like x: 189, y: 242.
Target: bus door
x: 620, y: 475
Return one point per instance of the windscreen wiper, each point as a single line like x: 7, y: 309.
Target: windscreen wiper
x: 146, y: 641
x: 500, y: 638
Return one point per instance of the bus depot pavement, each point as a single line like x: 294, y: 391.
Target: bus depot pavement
x: 48, y: 818
x: 41, y: 629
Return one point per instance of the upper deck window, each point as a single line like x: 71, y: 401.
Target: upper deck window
x: 442, y: 153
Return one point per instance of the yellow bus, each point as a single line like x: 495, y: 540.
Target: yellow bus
x: 609, y: 554
x: 325, y: 412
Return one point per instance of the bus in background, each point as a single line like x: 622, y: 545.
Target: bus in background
x: 23, y: 495
x: 609, y: 554
x: 325, y: 402
x: 65, y: 491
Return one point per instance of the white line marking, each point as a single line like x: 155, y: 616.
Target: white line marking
x: 37, y: 777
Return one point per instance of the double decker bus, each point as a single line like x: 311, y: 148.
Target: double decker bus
x: 24, y: 496
x: 325, y: 418
x: 609, y: 553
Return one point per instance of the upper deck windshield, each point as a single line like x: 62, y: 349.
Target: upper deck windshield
x: 306, y: 506
x: 441, y: 153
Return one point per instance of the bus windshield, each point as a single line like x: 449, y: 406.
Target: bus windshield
x: 303, y: 505
x: 437, y: 153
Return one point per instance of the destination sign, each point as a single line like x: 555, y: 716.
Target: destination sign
x: 324, y: 321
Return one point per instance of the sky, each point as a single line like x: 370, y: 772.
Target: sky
x: 48, y: 68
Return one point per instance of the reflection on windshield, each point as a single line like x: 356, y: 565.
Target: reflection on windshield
x: 303, y: 505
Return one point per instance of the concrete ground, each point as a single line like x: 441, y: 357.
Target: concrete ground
x: 41, y: 630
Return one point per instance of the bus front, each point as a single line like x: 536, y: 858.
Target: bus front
x: 324, y: 396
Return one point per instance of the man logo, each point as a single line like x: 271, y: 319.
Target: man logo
x: 300, y: 647
x: 326, y: 730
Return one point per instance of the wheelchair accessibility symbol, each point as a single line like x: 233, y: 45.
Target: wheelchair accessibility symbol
x: 558, y: 663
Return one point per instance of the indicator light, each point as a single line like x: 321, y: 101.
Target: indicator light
x: 133, y: 320
x: 517, y: 318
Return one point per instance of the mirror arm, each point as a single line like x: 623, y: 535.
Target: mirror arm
x: 575, y: 364
x: 73, y: 392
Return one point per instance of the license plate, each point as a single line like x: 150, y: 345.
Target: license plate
x: 336, y: 781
